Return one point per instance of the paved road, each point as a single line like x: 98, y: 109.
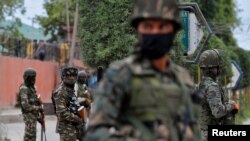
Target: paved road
x: 15, y: 131
x: 247, y: 122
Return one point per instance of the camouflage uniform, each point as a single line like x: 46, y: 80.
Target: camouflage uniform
x: 84, y: 98
x: 68, y: 121
x: 30, y: 105
x: 81, y: 87
x: 134, y: 100
x: 215, y: 106
x: 134, y: 97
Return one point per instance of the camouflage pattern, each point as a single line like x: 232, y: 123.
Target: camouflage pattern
x: 134, y: 102
x: 215, y: 106
x: 67, y: 121
x: 83, y: 94
x: 210, y: 58
x: 163, y: 9
x: 85, y: 99
x: 67, y: 137
x: 30, y: 107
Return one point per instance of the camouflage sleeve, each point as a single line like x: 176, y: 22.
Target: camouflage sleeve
x: 25, y: 102
x: 215, y: 102
x: 109, y: 100
x: 62, y: 111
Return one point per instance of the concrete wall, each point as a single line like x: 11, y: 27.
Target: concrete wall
x: 11, y: 76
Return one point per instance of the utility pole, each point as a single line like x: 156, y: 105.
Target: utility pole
x: 67, y: 20
x: 72, y: 49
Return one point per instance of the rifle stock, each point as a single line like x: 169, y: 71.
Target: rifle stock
x: 81, y: 112
x: 42, y: 120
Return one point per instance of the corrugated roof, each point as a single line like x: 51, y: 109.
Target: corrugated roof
x: 27, y: 31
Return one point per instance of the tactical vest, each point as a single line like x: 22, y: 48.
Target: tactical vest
x: 71, y: 102
x: 80, y: 89
x: 157, y: 97
x: 206, y: 116
x: 32, y: 97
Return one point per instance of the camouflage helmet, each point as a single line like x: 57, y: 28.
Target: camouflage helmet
x: 29, y: 72
x: 210, y: 58
x: 82, y: 74
x: 69, y: 71
x: 159, y: 9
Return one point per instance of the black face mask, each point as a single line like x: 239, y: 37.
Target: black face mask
x: 30, y: 81
x: 154, y: 46
x: 81, y: 80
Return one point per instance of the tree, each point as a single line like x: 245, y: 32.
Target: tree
x: 105, y: 32
x: 106, y: 35
x: 221, y: 16
x: 244, y: 62
x: 9, y: 7
x: 55, y: 22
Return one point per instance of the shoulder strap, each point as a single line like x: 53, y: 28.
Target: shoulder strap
x: 54, y: 92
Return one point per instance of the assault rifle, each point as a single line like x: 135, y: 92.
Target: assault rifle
x: 41, y: 120
x: 76, y: 108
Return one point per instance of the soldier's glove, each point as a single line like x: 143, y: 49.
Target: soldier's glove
x: 236, y: 108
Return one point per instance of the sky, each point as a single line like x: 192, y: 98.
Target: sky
x: 241, y: 33
x: 33, y: 8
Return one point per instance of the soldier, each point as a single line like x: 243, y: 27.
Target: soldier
x: 84, y: 98
x: 146, y: 97
x: 30, y: 104
x: 216, y: 108
x: 65, y: 102
x: 82, y: 92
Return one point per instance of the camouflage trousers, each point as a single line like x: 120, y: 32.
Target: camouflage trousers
x: 30, y: 127
x: 204, y: 135
x: 81, y: 132
x: 68, y: 137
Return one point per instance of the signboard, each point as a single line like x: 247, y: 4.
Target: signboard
x: 237, y: 74
x: 195, y: 33
x: 192, y: 32
x: 185, y: 26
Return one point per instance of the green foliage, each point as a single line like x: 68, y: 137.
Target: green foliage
x: 106, y: 35
x: 105, y: 31
x: 244, y: 102
x: 56, y: 19
x: 9, y: 7
x: 221, y: 16
x: 244, y: 62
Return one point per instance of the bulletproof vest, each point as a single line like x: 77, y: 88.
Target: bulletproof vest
x: 80, y: 89
x: 32, y: 97
x: 157, y: 97
x: 71, y: 102
x: 206, y: 117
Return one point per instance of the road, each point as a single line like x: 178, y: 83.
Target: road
x: 247, y: 122
x: 15, y: 131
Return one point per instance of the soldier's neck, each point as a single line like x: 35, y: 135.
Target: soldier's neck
x: 161, y: 64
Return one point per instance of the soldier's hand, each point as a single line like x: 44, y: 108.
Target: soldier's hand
x: 87, y: 102
x: 84, y: 101
x: 236, y: 108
